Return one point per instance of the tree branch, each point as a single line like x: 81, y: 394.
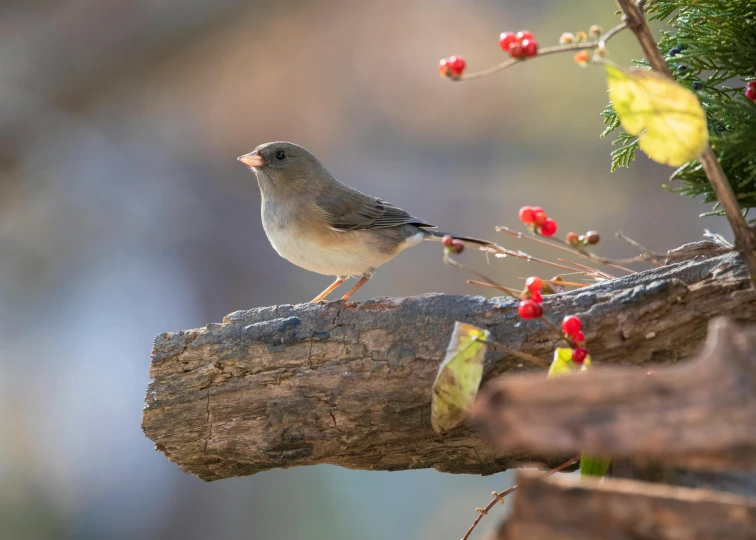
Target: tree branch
x: 558, y: 508
x: 745, y: 238
x: 331, y: 383
x: 697, y: 414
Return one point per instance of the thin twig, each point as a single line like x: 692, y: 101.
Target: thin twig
x: 519, y: 354
x: 591, y: 271
x: 564, y: 246
x: 452, y: 262
x: 639, y: 247
x: 562, y: 282
x: 497, y: 497
x: 520, y: 255
x: 600, y: 42
x: 497, y: 287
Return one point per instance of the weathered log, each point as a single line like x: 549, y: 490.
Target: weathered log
x: 561, y: 509
x: 350, y: 385
x: 697, y: 414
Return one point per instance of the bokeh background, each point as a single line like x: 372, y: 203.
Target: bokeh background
x: 124, y: 213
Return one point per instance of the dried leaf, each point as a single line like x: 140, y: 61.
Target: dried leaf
x: 458, y: 378
x: 667, y: 117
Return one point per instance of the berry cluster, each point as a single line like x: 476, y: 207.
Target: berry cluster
x: 530, y: 307
x: 537, y: 220
x: 452, y: 67
x: 582, y: 240
x: 573, y: 329
x: 452, y: 245
x: 520, y: 45
x: 750, y: 90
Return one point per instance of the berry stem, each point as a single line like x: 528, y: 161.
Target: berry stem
x: 646, y: 254
x: 560, y: 282
x: 557, y: 243
x: 548, y: 50
x: 511, y: 292
x: 514, y: 352
x: 594, y: 272
x: 448, y: 260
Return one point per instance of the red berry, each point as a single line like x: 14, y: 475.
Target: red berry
x: 457, y: 65
x: 529, y: 47
x: 579, y: 354
x: 443, y: 67
x: 549, y: 227
x: 750, y: 93
x: 457, y: 246
x: 536, y: 297
x: 528, y: 309
x: 522, y: 35
x: 572, y: 239
x: 539, y: 216
x: 447, y: 241
x: 652, y: 372
x: 571, y: 325
x: 527, y: 215
x: 751, y: 84
x: 506, y: 40
x: 534, y: 284
x: 515, y: 51
x: 579, y: 337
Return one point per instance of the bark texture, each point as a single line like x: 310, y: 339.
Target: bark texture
x: 561, y: 509
x: 699, y: 414
x: 350, y: 384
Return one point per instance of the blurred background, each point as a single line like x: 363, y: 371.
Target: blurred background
x: 124, y: 213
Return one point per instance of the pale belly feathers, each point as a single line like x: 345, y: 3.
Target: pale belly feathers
x: 339, y: 253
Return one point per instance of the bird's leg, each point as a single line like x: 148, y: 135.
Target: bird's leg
x: 329, y: 290
x: 360, y: 283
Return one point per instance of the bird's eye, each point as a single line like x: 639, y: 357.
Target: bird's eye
x: 280, y: 155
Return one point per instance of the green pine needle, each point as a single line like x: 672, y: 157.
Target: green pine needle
x: 715, y: 42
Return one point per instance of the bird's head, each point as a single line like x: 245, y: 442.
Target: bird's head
x: 283, y: 166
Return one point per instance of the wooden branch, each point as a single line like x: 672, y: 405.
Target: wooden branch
x: 745, y: 238
x: 330, y: 383
x: 699, y: 414
x: 561, y: 509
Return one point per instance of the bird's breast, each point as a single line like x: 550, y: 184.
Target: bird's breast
x: 311, y: 244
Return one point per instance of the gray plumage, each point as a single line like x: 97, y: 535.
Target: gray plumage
x: 316, y: 222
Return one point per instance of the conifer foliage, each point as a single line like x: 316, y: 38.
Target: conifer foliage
x: 711, y: 50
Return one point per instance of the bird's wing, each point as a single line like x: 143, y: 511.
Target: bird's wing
x: 350, y: 210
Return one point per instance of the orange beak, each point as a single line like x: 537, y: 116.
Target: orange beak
x: 253, y: 159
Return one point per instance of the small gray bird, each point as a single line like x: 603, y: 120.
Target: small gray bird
x: 316, y: 222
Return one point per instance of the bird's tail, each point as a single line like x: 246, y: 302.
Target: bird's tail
x: 476, y: 242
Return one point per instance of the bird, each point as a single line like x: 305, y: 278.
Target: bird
x: 317, y: 223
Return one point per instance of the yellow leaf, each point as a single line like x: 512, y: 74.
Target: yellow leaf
x: 458, y: 378
x: 563, y: 364
x: 668, y: 118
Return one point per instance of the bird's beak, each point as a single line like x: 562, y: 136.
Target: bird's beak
x: 253, y: 159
